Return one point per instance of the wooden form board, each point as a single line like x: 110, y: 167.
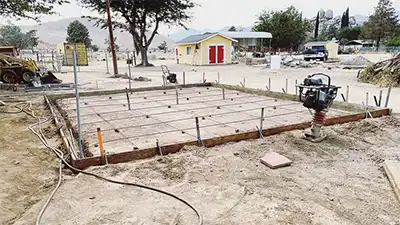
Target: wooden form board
x: 211, y: 142
x: 392, y: 170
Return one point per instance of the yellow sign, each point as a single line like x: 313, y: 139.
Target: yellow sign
x: 82, y: 58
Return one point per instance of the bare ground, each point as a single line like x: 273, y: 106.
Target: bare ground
x: 27, y: 170
x: 338, y: 181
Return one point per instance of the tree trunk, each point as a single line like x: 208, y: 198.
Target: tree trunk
x: 134, y: 50
x: 378, y: 42
x: 145, y: 61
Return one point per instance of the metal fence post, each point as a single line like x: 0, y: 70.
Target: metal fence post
x: 387, y: 97
x: 127, y: 99
x: 347, y: 93
x: 184, y: 77
x: 78, y: 115
x: 287, y: 85
x: 269, y: 84
x: 199, y: 142
x: 177, y: 96
x: 108, y: 71
x: 129, y: 71
x: 261, y: 122
x: 223, y: 93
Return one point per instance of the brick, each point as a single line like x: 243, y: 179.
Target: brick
x: 274, y: 160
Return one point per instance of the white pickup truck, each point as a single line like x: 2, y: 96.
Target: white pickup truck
x: 314, y: 54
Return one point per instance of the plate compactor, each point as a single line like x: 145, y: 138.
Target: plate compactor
x: 318, y: 96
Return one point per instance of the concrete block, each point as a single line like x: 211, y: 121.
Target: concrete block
x: 274, y: 160
x: 392, y: 170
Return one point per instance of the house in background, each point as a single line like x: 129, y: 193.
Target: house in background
x: 357, y: 45
x: 205, y: 49
x: 250, y: 40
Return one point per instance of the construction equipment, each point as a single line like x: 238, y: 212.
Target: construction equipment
x: 167, y: 76
x: 319, y: 97
x: 16, y: 70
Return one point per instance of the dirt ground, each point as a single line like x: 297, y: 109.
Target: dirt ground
x: 338, y: 181
x: 27, y: 169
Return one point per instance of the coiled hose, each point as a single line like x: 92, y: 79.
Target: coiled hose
x: 60, y: 155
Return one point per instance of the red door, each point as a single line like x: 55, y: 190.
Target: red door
x: 212, y: 54
x: 220, y: 54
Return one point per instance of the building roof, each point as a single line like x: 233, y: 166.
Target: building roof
x: 244, y: 35
x: 195, y: 39
x: 359, y: 42
x: 315, y: 43
x: 354, y: 42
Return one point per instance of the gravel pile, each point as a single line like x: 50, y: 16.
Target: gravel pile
x: 357, y: 61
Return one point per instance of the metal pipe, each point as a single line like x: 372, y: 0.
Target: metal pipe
x: 269, y: 84
x: 204, y: 77
x: 261, y: 122
x: 177, y: 96
x: 199, y: 142
x: 295, y: 86
x: 244, y: 82
x: 78, y: 115
x: 223, y: 93
x: 158, y: 147
x: 127, y: 99
x: 110, y: 30
x: 376, y: 101
x: 380, y: 98
x: 219, y: 81
x: 347, y: 93
x: 108, y: 71
x: 129, y: 71
x: 287, y: 84
x: 184, y: 77
x: 387, y: 97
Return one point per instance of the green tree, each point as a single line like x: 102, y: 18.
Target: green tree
x: 316, y: 27
x: 289, y: 29
x: 345, y: 19
x: 78, y: 33
x: 108, y: 44
x: 142, y: 18
x: 382, y: 23
x: 95, y: 48
x: 232, y: 29
x: 28, y: 9
x: 163, y: 46
x: 393, y: 41
x: 350, y: 33
x: 13, y: 36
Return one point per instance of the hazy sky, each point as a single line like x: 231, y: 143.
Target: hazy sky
x: 215, y: 14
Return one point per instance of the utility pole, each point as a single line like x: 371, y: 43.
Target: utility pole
x: 110, y: 30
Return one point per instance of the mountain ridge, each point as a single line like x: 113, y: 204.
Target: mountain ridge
x: 55, y: 32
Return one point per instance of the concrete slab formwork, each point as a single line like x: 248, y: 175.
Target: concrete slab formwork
x: 225, y: 113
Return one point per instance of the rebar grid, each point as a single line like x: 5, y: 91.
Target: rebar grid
x: 206, y: 126
x: 188, y: 118
x: 139, y: 95
x: 138, y: 113
x: 148, y: 98
x: 153, y: 107
x: 189, y: 103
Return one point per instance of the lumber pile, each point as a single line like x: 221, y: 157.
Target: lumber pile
x: 384, y: 73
